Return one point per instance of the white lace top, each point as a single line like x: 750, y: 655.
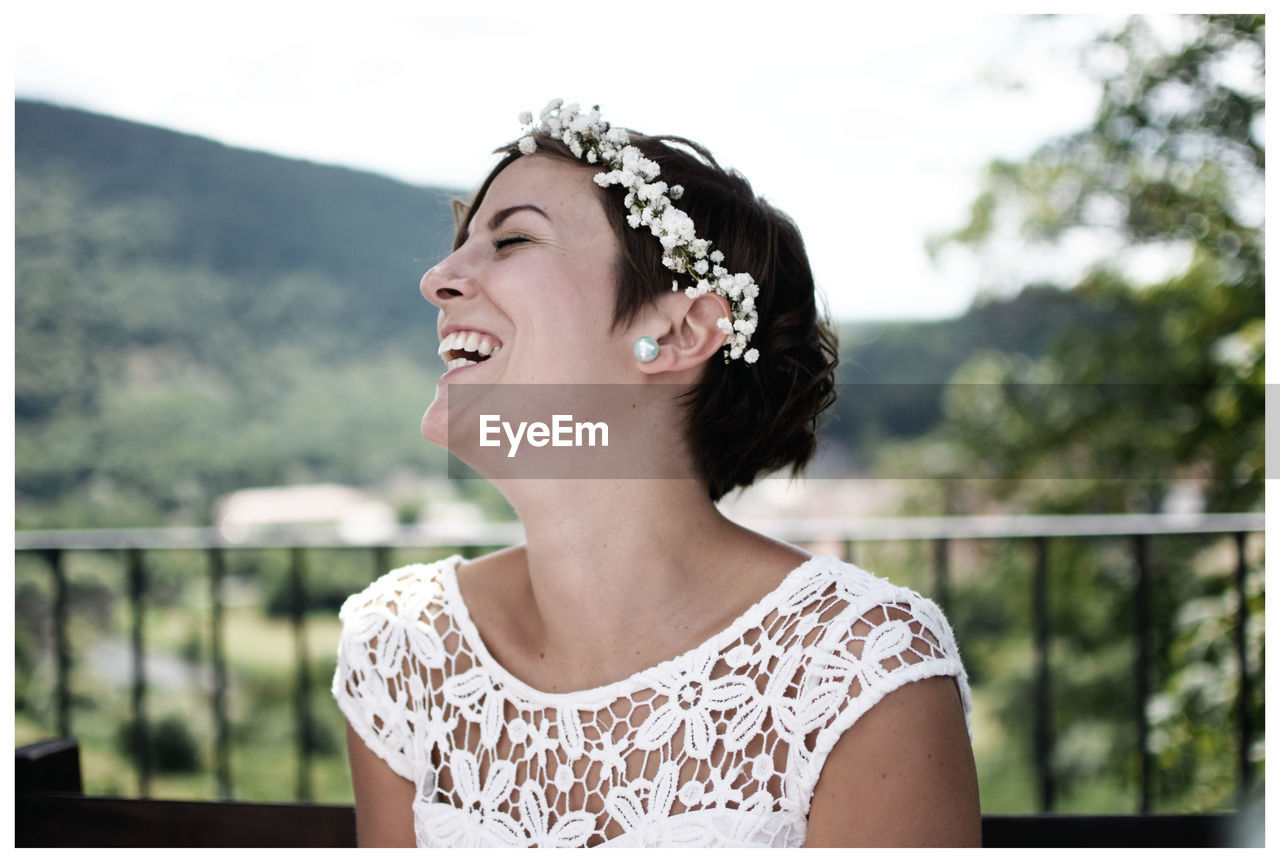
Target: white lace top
x: 720, y: 746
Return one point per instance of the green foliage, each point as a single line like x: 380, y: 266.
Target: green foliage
x: 1173, y: 159
x: 171, y: 745
x: 1163, y: 387
x: 193, y: 319
x: 328, y: 578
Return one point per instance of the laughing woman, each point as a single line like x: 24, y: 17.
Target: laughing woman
x: 643, y: 671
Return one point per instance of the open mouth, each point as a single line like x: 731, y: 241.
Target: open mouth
x: 463, y: 347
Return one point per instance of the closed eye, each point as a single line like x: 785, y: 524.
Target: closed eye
x: 507, y: 242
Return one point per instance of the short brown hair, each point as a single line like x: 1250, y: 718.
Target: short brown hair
x: 743, y: 420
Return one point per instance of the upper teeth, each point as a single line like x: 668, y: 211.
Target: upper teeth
x: 472, y: 342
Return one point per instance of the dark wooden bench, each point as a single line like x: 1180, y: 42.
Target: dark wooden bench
x: 51, y: 812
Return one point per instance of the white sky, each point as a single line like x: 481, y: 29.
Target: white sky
x: 870, y: 130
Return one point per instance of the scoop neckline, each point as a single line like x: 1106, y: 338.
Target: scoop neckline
x: 611, y: 690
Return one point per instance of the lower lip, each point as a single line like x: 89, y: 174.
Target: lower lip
x: 460, y: 369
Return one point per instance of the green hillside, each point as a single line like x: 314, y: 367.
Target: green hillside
x: 193, y: 318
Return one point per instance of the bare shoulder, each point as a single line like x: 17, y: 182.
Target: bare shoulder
x: 762, y: 562
x: 489, y: 577
x: 906, y: 768
x: 494, y: 563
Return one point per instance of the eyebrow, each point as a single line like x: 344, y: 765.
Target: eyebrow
x: 503, y: 214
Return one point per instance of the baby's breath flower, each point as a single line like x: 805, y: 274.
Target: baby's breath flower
x: 648, y: 201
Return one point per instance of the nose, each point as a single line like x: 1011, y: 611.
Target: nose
x: 444, y: 282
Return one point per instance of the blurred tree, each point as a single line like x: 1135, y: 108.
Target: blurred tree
x: 1161, y: 391
x: 1167, y: 379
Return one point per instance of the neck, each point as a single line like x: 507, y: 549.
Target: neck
x: 611, y: 563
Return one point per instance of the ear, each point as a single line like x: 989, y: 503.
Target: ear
x: 687, y: 331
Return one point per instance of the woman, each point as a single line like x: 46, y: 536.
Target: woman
x: 643, y: 671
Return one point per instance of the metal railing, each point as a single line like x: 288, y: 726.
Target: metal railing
x: 1039, y: 531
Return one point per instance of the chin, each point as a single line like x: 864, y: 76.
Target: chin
x: 435, y: 421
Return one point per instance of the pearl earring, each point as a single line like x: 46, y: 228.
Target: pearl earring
x: 645, y: 349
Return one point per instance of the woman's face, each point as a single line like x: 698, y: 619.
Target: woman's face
x: 533, y: 285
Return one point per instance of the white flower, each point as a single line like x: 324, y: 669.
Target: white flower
x: 477, y: 821
x: 571, y: 829
x: 751, y: 356
x: 538, y: 740
x: 435, y: 730
x: 690, y: 698
x: 748, y: 721
x: 473, y: 692
x: 646, y: 817
x: 609, y: 753
x: 648, y: 201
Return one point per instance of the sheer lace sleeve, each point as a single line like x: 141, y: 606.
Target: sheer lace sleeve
x: 387, y: 642
x: 872, y: 645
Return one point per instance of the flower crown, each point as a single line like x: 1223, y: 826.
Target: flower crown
x: 649, y: 201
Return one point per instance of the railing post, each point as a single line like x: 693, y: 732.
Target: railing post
x: 1043, y: 711
x: 941, y: 574
x: 381, y: 561
x: 61, y: 646
x: 142, y: 733
x: 1244, y: 720
x: 848, y: 550
x: 297, y: 605
x: 1141, y: 662
x: 221, y: 728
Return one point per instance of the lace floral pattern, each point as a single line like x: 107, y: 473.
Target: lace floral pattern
x: 721, y: 746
